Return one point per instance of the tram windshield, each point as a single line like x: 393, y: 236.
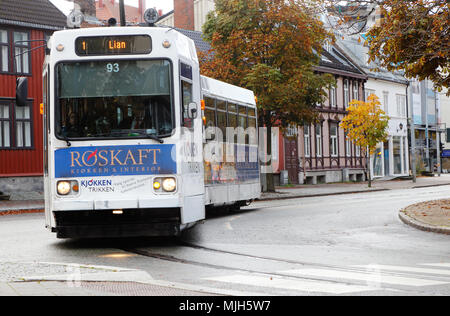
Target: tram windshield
x: 114, y: 99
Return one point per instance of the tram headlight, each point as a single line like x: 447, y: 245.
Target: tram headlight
x: 63, y: 187
x: 169, y: 184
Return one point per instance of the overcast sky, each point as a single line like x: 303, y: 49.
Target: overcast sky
x: 165, y: 5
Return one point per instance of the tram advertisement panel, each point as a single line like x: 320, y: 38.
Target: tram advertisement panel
x: 115, y: 161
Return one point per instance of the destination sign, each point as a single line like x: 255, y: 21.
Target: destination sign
x: 113, y: 45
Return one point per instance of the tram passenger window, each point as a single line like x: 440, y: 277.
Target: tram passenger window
x: 232, y: 120
x: 210, y: 115
x: 221, y: 105
x: 252, y: 128
x: 187, y: 98
x: 222, y: 124
x: 242, y: 122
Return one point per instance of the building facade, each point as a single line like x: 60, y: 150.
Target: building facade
x: 425, y: 114
x: 391, y: 158
x: 24, y: 27
x: 320, y: 152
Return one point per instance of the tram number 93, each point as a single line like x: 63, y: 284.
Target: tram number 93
x: 110, y: 67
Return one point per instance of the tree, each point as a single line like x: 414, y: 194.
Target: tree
x: 270, y: 47
x: 411, y: 36
x: 366, y: 126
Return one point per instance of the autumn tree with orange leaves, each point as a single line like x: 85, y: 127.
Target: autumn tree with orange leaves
x: 410, y: 36
x: 270, y: 47
x: 366, y: 126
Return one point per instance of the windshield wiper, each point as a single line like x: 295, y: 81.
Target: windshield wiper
x: 151, y: 136
x: 154, y: 137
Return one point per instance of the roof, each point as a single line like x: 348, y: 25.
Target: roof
x: 335, y: 59
x: 196, y: 36
x: 40, y: 14
x: 359, y: 53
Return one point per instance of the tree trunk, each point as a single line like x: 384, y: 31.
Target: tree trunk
x: 369, y: 176
x: 270, y: 184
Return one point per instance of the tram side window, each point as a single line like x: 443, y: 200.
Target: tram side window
x: 242, y: 122
x: 210, y: 115
x: 222, y: 118
x: 252, y: 126
x: 232, y: 120
x: 186, y: 99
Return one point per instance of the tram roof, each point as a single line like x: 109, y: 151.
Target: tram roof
x: 223, y: 90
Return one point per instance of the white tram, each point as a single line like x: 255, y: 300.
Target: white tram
x: 130, y: 144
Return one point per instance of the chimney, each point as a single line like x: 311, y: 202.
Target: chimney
x: 160, y: 12
x: 184, y: 14
x: 100, y: 3
x: 141, y: 10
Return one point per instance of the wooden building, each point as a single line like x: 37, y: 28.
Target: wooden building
x: 24, y: 27
x: 320, y: 152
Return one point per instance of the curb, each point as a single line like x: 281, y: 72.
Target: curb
x: 408, y: 220
x: 20, y: 211
x: 316, y: 195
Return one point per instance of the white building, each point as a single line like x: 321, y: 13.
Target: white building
x: 391, y: 157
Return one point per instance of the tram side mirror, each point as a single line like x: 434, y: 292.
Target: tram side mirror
x: 192, y: 111
x: 22, y: 91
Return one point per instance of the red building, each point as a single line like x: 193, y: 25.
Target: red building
x: 24, y: 26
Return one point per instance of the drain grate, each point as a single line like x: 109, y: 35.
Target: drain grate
x: 138, y: 289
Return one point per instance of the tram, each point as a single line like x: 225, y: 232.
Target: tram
x: 135, y: 138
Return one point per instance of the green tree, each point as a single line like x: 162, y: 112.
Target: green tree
x: 366, y: 126
x: 270, y: 47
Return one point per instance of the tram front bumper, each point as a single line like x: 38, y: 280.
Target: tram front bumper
x: 71, y: 204
x: 100, y: 219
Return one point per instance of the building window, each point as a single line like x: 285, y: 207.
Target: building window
x: 333, y: 97
x: 15, y: 125
x: 358, y: 151
x: 348, y: 147
x: 401, y: 105
x: 5, y: 125
x: 333, y: 140
x: 23, y: 126
x: 4, y: 56
x: 307, y: 138
x: 14, y: 52
x: 397, y: 154
x: 367, y: 93
x: 21, y: 48
x: 386, y: 101
x: 346, y: 93
x: 318, y: 140
x: 355, y: 90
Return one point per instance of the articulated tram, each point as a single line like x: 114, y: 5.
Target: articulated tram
x: 136, y: 141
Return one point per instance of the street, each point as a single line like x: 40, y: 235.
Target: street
x: 351, y: 244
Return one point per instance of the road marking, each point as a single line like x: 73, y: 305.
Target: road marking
x: 406, y: 269
x: 370, y: 278
x: 440, y: 265
x: 290, y: 284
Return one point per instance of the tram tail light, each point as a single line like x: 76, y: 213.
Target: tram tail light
x: 202, y: 102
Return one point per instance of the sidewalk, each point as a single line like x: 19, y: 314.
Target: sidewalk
x: 284, y: 192
x: 357, y: 187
